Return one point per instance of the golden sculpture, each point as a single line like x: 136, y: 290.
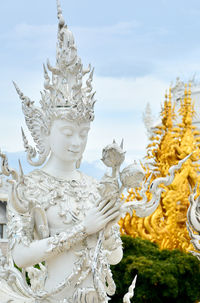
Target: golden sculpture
x: 171, y: 142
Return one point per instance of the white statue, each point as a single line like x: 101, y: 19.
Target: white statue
x: 59, y: 218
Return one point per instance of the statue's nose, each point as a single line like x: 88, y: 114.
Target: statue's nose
x: 76, y: 142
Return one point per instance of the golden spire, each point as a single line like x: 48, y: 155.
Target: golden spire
x: 189, y: 90
x: 185, y: 92
x: 170, y: 94
x: 189, y: 93
x: 166, y: 96
x: 169, y: 143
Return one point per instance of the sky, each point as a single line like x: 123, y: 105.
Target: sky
x: 136, y: 47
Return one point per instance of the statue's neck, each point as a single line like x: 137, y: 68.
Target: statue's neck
x: 61, y: 169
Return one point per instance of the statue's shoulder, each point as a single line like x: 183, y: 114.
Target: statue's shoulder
x: 89, y: 179
x: 33, y: 176
x: 35, y: 187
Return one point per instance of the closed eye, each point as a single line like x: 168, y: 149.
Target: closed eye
x: 84, y: 133
x: 67, y: 132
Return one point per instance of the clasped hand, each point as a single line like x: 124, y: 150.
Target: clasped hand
x: 105, y: 212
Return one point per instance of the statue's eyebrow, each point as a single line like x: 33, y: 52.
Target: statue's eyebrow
x: 85, y: 128
x: 66, y: 127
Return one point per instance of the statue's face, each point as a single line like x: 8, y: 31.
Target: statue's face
x: 67, y: 139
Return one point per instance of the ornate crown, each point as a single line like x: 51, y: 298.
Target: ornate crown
x: 64, y: 96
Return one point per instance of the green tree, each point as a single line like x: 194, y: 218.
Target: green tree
x: 163, y: 275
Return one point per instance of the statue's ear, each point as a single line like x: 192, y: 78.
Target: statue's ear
x: 45, y: 139
x: 78, y: 163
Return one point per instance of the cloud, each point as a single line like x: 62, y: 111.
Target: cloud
x: 43, y: 37
x: 123, y: 49
x: 125, y: 94
x: 117, y: 49
x: 119, y: 109
x: 103, y: 133
x: 122, y: 28
x: 121, y: 100
x: 134, y: 65
x: 25, y: 30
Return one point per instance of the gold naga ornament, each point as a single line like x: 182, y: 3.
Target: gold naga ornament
x: 170, y: 143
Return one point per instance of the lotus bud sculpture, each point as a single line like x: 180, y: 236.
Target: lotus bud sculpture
x: 113, y: 156
x: 132, y: 176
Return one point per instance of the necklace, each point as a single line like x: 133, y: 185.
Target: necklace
x: 72, y: 196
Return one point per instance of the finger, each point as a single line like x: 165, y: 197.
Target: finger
x: 109, y: 205
x: 110, y: 211
x: 102, y: 204
x: 111, y: 217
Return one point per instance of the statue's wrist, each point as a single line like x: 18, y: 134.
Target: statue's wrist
x: 65, y: 240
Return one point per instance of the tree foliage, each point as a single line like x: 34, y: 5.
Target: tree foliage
x: 163, y: 275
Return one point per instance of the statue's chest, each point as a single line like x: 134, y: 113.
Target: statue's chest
x: 68, y: 203
x: 67, y: 211
x: 64, y: 202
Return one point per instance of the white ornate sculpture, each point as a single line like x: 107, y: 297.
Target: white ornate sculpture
x: 61, y: 223
x: 130, y: 292
x: 193, y: 224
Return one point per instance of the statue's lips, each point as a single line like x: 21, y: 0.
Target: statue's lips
x: 72, y: 151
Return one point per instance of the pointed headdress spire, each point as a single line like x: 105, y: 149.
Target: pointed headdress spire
x: 60, y: 15
x: 67, y: 94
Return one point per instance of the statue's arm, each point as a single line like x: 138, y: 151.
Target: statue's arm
x: 26, y: 251
x: 40, y: 250
x: 36, y: 252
